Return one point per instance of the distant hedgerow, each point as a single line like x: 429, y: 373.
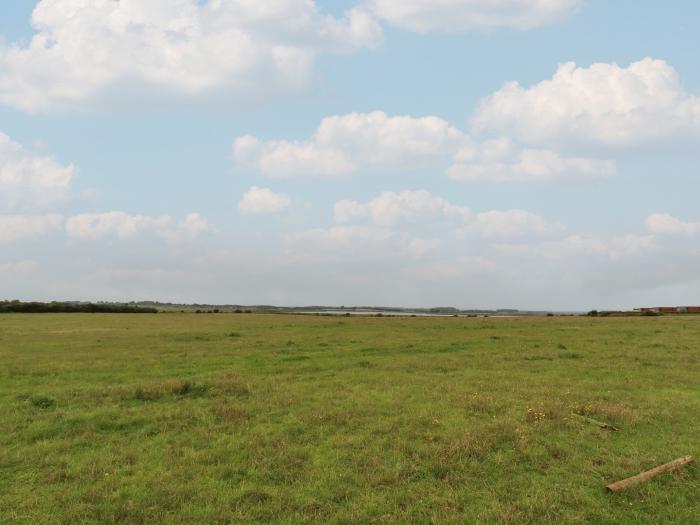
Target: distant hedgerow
x: 55, y: 307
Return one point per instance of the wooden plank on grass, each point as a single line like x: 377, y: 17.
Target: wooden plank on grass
x: 673, y: 465
x: 599, y: 423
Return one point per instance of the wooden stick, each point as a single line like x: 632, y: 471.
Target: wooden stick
x: 596, y: 422
x: 673, y: 465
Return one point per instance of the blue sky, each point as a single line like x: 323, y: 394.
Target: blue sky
x: 351, y: 152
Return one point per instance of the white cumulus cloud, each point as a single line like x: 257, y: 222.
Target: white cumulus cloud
x: 263, y: 200
x: 390, y: 208
x: 371, y: 142
x: 461, y: 15
x: 193, y: 226
x: 407, y: 211
x: 121, y: 225
x: 30, y: 180
x: 532, y: 165
x: 112, y: 224
x: 350, y: 143
x: 603, y: 103
x: 87, y: 51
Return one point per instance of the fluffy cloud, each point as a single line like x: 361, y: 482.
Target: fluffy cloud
x: 94, y: 226
x: 460, y: 15
x: 27, y: 179
x: 416, y: 224
x: 603, y: 103
x: 15, y: 228
x: 263, y: 200
x: 193, y: 226
x: 120, y: 225
x: 87, y: 51
x: 665, y: 224
x: 112, y: 224
x: 532, y: 165
x: 387, y: 232
x: 350, y: 143
x: 407, y: 209
x: 356, y: 142
x: 390, y: 208
x: 514, y: 223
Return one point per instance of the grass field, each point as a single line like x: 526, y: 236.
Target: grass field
x: 184, y: 418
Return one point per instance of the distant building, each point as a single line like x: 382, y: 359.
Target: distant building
x: 671, y: 310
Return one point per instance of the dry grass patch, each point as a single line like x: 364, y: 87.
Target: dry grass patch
x: 229, y: 412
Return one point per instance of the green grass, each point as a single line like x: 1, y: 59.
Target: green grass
x: 182, y: 418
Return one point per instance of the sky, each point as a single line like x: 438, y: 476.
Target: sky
x: 531, y: 154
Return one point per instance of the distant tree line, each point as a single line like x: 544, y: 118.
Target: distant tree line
x: 56, y: 307
x: 621, y: 313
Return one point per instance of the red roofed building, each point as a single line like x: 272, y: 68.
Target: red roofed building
x: 672, y: 310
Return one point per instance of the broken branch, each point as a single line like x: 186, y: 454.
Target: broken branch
x: 673, y: 465
x: 599, y: 423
